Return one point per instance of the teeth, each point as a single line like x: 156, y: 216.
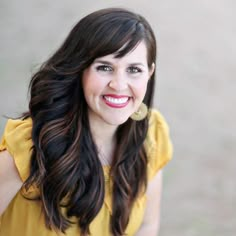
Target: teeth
x: 116, y: 100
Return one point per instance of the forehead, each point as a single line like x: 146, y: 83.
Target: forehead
x: 137, y: 55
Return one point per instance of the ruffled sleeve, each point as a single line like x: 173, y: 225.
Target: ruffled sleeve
x: 158, y: 144
x: 17, y: 141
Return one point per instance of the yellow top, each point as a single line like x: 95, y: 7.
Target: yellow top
x: 23, y: 217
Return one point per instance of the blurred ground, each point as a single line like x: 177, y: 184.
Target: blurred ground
x: 195, y: 91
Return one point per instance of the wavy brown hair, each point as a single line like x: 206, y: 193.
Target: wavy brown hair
x: 65, y: 164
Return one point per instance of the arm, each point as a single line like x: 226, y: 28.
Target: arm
x: 151, y: 221
x: 10, y: 182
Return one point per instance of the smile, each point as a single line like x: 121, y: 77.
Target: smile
x: 116, y: 101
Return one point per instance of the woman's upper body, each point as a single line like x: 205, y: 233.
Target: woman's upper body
x: 87, y: 152
x: 24, y: 216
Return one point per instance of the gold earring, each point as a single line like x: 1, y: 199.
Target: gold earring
x: 141, y: 113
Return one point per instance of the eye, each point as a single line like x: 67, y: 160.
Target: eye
x: 134, y: 70
x: 104, y: 68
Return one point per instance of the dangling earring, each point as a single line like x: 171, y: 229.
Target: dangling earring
x: 141, y: 113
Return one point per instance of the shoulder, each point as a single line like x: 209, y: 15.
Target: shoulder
x: 157, y: 120
x: 17, y: 141
x: 158, y: 143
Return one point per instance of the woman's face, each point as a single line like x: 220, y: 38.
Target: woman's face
x: 114, y: 88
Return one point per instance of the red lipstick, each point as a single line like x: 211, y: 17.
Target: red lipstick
x: 116, y: 101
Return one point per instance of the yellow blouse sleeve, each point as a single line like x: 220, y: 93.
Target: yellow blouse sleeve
x: 158, y: 144
x: 17, y: 141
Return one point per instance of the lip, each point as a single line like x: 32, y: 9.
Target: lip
x: 113, y: 105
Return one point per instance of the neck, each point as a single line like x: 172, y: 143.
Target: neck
x: 104, y: 137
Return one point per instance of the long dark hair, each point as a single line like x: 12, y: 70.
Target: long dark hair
x: 65, y: 164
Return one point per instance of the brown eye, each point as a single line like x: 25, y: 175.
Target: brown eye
x: 103, y: 68
x: 134, y: 70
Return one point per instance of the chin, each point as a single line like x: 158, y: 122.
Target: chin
x: 116, y: 122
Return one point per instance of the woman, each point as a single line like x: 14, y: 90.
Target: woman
x: 86, y: 157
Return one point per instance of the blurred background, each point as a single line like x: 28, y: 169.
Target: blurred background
x: 195, y: 91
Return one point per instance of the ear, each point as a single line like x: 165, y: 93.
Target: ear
x: 152, y: 69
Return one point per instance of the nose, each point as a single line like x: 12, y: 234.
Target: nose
x: 118, y: 82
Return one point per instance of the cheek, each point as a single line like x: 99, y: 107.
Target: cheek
x: 140, y: 89
x: 92, y: 85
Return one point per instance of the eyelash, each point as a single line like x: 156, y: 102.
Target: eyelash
x: 131, y: 69
x: 104, y: 68
x: 134, y: 70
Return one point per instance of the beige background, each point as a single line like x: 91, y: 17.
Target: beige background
x: 195, y: 92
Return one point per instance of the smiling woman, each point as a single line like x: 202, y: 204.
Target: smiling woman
x: 88, y: 154
x: 112, y: 83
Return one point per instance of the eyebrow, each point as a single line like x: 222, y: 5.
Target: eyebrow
x: 102, y: 62
x: 109, y: 63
